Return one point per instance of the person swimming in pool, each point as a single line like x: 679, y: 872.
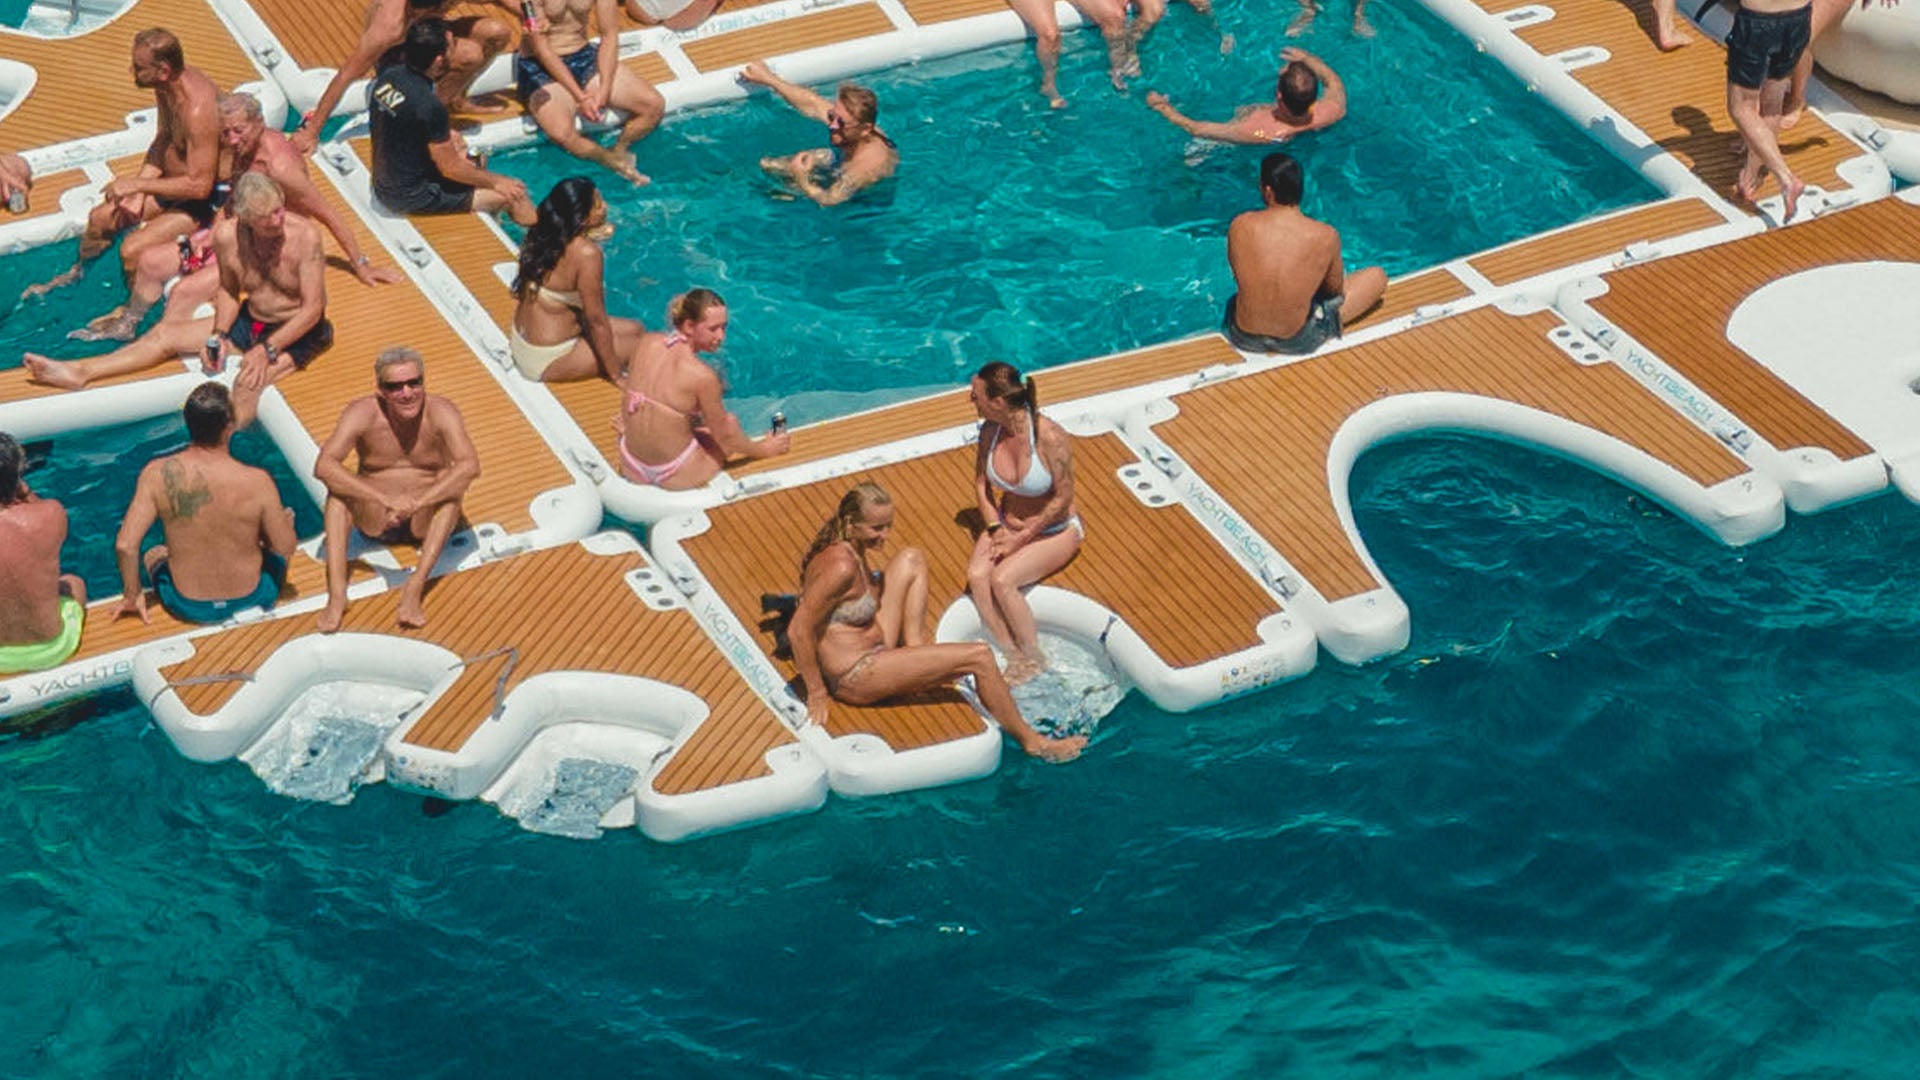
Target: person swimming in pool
x: 860, y: 636
x: 42, y: 611
x: 1294, y: 293
x: 675, y: 432
x: 1023, y: 481
x: 561, y: 330
x: 415, y: 465
x: 227, y: 534
x: 1308, y: 96
x: 858, y: 154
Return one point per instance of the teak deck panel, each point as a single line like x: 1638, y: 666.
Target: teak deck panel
x: 787, y: 36
x: 84, y: 85
x: 1406, y: 294
x: 1679, y: 308
x: 754, y: 547
x: 928, y: 12
x: 1679, y: 98
x: 563, y: 609
x: 1237, y: 434
x: 1588, y: 240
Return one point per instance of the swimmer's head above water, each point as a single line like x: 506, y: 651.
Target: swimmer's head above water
x: 853, y: 115
x: 1297, y: 89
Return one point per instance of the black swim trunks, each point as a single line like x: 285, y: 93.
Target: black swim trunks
x: 1323, y: 325
x: 1766, y: 46
x: 247, y: 330
x: 528, y: 76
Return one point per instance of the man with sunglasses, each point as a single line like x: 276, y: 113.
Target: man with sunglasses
x: 858, y: 154
x: 415, y: 464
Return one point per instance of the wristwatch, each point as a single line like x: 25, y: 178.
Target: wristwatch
x: 273, y: 354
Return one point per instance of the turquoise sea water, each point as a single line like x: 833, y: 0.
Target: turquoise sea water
x: 1630, y: 803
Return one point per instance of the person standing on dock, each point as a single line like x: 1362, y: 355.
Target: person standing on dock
x: 419, y: 165
x: 227, y: 534
x: 1023, y: 483
x: 172, y: 193
x: 860, y: 635
x: 858, y: 154
x: 1762, y: 51
x: 1308, y: 96
x: 474, y: 42
x: 42, y: 611
x: 1294, y: 293
x: 415, y: 463
x: 562, y: 72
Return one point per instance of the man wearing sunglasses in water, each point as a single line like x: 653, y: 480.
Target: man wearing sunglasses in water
x: 858, y: 154
x: 415, y: 462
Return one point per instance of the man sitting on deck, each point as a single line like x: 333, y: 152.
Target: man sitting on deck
x: 270, y: 305
x: 419, y: 165
x: 475, y: 41
x: 415, y: 464
x: 227, y: 534
x: 173, y: 192
x: 1294, y: 294
x: 16, y: 183
x: 561, y: 71
x: 41, y: 610
x: 1298, y: 106
x: 858, y: 154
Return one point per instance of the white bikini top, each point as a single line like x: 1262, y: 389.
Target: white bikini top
x: 1038, y: 480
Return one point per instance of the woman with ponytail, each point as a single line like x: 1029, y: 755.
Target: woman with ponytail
x: 675, y: 433
x: 561, y: 331
x: 1023, y: 478
x: 860, y: 637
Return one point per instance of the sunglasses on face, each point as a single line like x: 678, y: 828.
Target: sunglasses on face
x: 397, y: 385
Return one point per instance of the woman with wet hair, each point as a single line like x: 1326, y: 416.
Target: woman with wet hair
x: 1023, y: 479
x: 561, y: 331
x: 860, y: 635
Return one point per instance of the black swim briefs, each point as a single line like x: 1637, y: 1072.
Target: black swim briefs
x: 1765, y: 46
x: 247, y: 330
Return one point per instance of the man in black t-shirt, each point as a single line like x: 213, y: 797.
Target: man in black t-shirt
x: 419, y: 165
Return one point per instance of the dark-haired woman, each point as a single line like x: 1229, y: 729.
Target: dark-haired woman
x: 674, y: 431
x: 561, y: 331
x: 860, y: 636
x: 1023, y: 477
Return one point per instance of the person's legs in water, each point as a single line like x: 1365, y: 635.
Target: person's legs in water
x: 181, y: 331
x: 635, y: 96
x: 892, y: 673
x: 1039, y: 17
x: 996, y: 590
x: 553, y: 110
x: 1111, y: 17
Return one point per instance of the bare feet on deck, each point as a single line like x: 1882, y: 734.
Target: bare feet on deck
x: 50, y: 372
x: 1055, y: 750
x: 410, y: 613
x: 1669, y: 38
x: 332, y: 615
x: 1790, y: 198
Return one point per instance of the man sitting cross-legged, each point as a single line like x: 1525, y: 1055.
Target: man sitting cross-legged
x: 561, y: 71
x: 270, y: 304
x: 415, y: 464
x: 227, y: 533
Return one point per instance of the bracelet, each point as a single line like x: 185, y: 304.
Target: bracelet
x: 363, y: 261
x: 993, y: 527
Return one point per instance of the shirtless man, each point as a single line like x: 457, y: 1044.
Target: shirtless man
x: 227, y: 534
x: 270, y: 305
x: 41, y: 609
x: 420, y: 166
x: 1294, y: 292
x: 1299, y: 106
x: 171, y: 193
x: 859, y: 154
x: 561, y: 71
x: 1765, y: 46
x: 246, y: 146
x: 473, y: 43
x: 16, y: 183
x: 415, y: 463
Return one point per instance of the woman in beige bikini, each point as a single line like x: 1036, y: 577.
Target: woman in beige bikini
x: 561, y: 331
x: 861, y: 637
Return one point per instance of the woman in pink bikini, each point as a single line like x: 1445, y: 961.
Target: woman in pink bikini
x: 1023, y: 480
x: 675, y: 433
x: 860, y: 636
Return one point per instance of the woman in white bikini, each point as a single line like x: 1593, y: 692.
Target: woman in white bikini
x: 674, y: 431
x: 561, y: 331
x: 1023, y: 478
x: 860, y: 637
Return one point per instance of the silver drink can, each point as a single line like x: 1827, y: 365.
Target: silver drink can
x: 17, y: 202
x: 779, y: 422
